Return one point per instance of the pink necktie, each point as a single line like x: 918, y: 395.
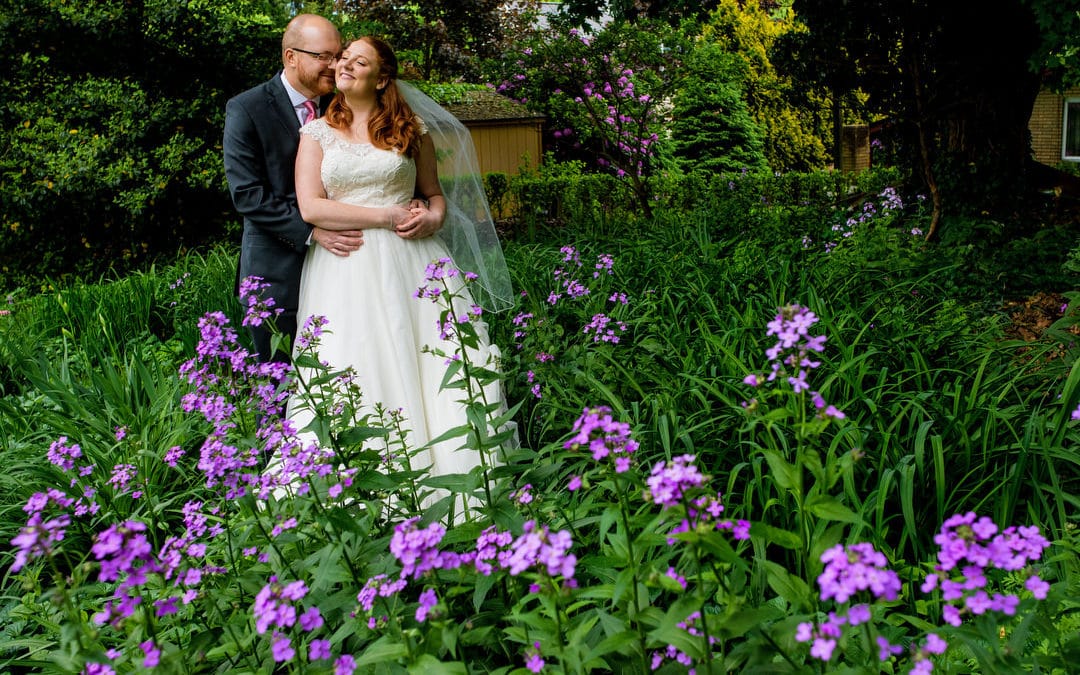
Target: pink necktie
x: 309, y: 108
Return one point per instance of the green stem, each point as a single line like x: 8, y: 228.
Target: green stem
x: 624, y: 509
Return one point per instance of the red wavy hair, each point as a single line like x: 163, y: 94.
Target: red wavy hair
x: 393, y: 125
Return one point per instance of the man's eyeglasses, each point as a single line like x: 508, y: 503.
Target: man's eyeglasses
x: 322, y: 57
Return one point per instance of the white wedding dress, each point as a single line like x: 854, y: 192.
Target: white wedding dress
x: 374, y: 322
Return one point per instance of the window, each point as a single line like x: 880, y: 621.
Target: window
x: 1070, y: 131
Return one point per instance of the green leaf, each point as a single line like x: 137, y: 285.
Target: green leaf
x: 783, y: 472
x: 787, y: 586
x: 829, y: 508
x: 429, y: 665
x: 775, y: 535
x: 357, y: 435
x: 381, y: 651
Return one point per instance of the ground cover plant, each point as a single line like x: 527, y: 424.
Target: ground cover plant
x: 790, y: 447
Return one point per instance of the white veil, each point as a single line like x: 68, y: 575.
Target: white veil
x: 468, y: 230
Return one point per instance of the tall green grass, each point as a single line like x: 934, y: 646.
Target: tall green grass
x: 947, y: 415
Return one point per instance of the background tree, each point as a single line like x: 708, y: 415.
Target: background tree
x: 604, y: 95
x: 113, y: 112
x: 954, y: 81
x: 789, y: 117
x: 711, y: 127
x: 446, y: 39
x: 673, y: 12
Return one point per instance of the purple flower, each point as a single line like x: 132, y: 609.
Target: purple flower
x: 934, y: 644
x: 318, y: 650
x: 680, y: 579
x: 173, y: 455
x: 538, y: 547
x: 670, y: 481
x: 345, y: 665
x: 38, y: 537
x: 281, y: 648
x: 428, y: 600
x: 534, y: 662
x: 598, y: 431
x: 416, y: 549
x: 855, y: 568
x: 151, y: 654
x: 886, y: 650
x: 166, y: 606
x: 311, y: 619
x: 378, y: 586
x: 574, y: 484
x: 273, y: 605
x: 1037, y: 586
x: 522, y: 495
x: 63, y: 455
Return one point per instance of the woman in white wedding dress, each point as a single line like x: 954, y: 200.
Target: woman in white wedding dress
x: 368, y: 157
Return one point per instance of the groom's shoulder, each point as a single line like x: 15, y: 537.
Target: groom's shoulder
x: 258, y: 93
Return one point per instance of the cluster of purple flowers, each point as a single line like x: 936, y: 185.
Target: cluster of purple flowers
x: 854, y: 568
x: 437, y: 278
x: 602, y: 328
x: 791, y: 357
x: 276, y: 610
x: 124, y: 555
x: 673, y: 653
x: 673, y: 484
x: 605, y: 439
x: 416, y: 548
x: 541, y: 548
x: 66, y: 456
x: 849, y: 570
x: 226, y: 378
x: 889, y: 203
x: 41, y: 533
x: 970, y: 546
x: 257, y: 309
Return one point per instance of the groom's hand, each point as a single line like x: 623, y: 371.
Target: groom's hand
x: 339, y: 242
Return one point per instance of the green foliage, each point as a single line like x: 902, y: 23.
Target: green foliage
x: 114, y: 114
x: 442, y: 40
x: 942, y: 416
x: 789, y: 120
x: 711, y: 128
x: 603, y: 96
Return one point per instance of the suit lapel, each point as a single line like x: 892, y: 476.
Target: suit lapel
x: 277, y: 100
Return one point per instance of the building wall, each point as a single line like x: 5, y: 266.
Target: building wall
x: 505, y: 148
x: 1045, y: 124
x: 854, y: 147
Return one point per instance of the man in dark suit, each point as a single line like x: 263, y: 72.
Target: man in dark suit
x: 260, y: 140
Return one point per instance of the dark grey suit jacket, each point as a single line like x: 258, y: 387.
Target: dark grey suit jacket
x: 260, y: 141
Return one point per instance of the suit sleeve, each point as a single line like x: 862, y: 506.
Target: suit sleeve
x: 249, y: 185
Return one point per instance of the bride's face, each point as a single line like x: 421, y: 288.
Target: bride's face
x: 357, y: 71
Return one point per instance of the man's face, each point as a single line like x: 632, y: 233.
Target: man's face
x: 311, y: 63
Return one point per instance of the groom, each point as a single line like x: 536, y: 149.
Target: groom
x: 260, y: 140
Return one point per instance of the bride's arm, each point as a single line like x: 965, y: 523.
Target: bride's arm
x: 328, y: 214
x: 426, y: 223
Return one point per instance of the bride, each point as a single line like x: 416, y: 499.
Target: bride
x: 366, y: 159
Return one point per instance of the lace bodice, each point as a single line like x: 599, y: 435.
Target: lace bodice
x: 360, y: 173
